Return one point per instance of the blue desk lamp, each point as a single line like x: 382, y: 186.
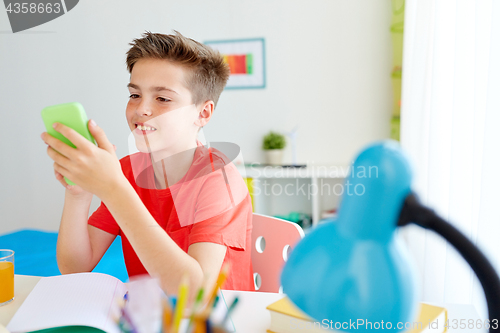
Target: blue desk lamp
x: 354, y: 270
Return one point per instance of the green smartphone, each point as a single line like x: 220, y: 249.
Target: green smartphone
x: 69, y: 114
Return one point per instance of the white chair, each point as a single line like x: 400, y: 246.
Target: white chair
x: 272, y: 242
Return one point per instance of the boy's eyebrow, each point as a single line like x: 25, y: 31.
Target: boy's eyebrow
x: 131, y: 85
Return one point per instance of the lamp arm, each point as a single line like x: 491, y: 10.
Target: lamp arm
x: 414, y: 212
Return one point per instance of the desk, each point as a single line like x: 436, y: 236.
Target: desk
x: 23, y: 284
x: 250, y: 316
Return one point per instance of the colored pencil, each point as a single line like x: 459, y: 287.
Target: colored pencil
x: 197, y: 302
x: 217, y: 298
x: 229, y: 310
x: 166, y: 316
x: 181, y: 303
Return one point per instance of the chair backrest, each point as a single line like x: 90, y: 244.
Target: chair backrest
x: 272, y: 241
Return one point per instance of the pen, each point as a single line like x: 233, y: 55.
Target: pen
x: 220, y: 281
x: 197, y: 302
x: 167, y: 316
x: 229, y: 310
x: 127, y: 318
x: 122, y: 327
x: 173, y: 299
x: 208, y: 326
x: 216, y: 301
x: 181, y: 303
x: 199, y: 325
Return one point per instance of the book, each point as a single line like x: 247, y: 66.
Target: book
x: 90, y: 302
x: 286, y: 317
x: 83, y: 299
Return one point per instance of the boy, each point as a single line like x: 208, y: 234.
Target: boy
x: 180, y: 208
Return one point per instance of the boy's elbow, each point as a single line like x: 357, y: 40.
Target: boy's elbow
x: 64, y: 269
x: 69, y: 265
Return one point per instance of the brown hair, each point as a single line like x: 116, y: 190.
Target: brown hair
x: 208, y: 73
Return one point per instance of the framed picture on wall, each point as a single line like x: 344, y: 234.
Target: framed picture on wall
x: 246, y: 59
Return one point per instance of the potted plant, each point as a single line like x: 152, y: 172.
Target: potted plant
x: 273, y: 145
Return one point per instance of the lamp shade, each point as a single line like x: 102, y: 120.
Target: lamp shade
x: 354, y: 269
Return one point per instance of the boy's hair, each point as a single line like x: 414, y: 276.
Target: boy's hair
x: 207, y: 72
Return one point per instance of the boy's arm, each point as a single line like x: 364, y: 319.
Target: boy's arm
x: 210, y: 256
x: 80, y: 246
x: 159, y: 254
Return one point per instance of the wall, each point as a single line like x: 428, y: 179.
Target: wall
x: 328, y: 65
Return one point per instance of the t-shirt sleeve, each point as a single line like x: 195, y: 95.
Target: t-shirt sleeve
x: 223, y: 210
x: 103, y: 220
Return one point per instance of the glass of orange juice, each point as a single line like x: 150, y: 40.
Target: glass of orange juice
x: 6, y: 276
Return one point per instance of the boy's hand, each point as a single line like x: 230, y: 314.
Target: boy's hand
x: 94, y: 169
x: 74, y: 190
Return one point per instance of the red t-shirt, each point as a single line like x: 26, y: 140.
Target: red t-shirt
x: 210, y: 203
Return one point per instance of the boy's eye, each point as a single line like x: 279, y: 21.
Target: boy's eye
x: 161, y: 99
x: 134, y: 96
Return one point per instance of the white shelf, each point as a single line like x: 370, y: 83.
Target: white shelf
x: 280, y: 190
x: 318, y: 171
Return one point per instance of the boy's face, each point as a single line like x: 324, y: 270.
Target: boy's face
x: 160, y: 111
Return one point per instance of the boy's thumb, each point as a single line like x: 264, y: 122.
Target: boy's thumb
x: 100, y: 137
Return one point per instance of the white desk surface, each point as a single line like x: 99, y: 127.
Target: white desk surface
x: 250, y: 315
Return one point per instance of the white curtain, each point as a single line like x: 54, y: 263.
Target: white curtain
x: 450, y: 126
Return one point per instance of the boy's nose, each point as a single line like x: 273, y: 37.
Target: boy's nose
x: 143, y: 110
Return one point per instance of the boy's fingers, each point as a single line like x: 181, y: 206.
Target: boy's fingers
x: 60, y: 170
x: 61, y: 180
x: 114, y: 147
x: 58, y: 175
x: 76, y: 138
x: 57, y: 158
x: 100, y: 137
x: 57, y: 144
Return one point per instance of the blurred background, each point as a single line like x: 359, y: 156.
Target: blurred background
x: 328, y: 66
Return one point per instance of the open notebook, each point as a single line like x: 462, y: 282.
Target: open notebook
x: 56, y: 302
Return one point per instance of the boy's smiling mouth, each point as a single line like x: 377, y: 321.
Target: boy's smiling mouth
x: 142, y: 128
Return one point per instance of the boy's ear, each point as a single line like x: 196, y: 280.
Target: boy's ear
x: 205, y: 114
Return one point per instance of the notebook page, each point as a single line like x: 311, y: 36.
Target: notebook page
x: 74, y: 299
